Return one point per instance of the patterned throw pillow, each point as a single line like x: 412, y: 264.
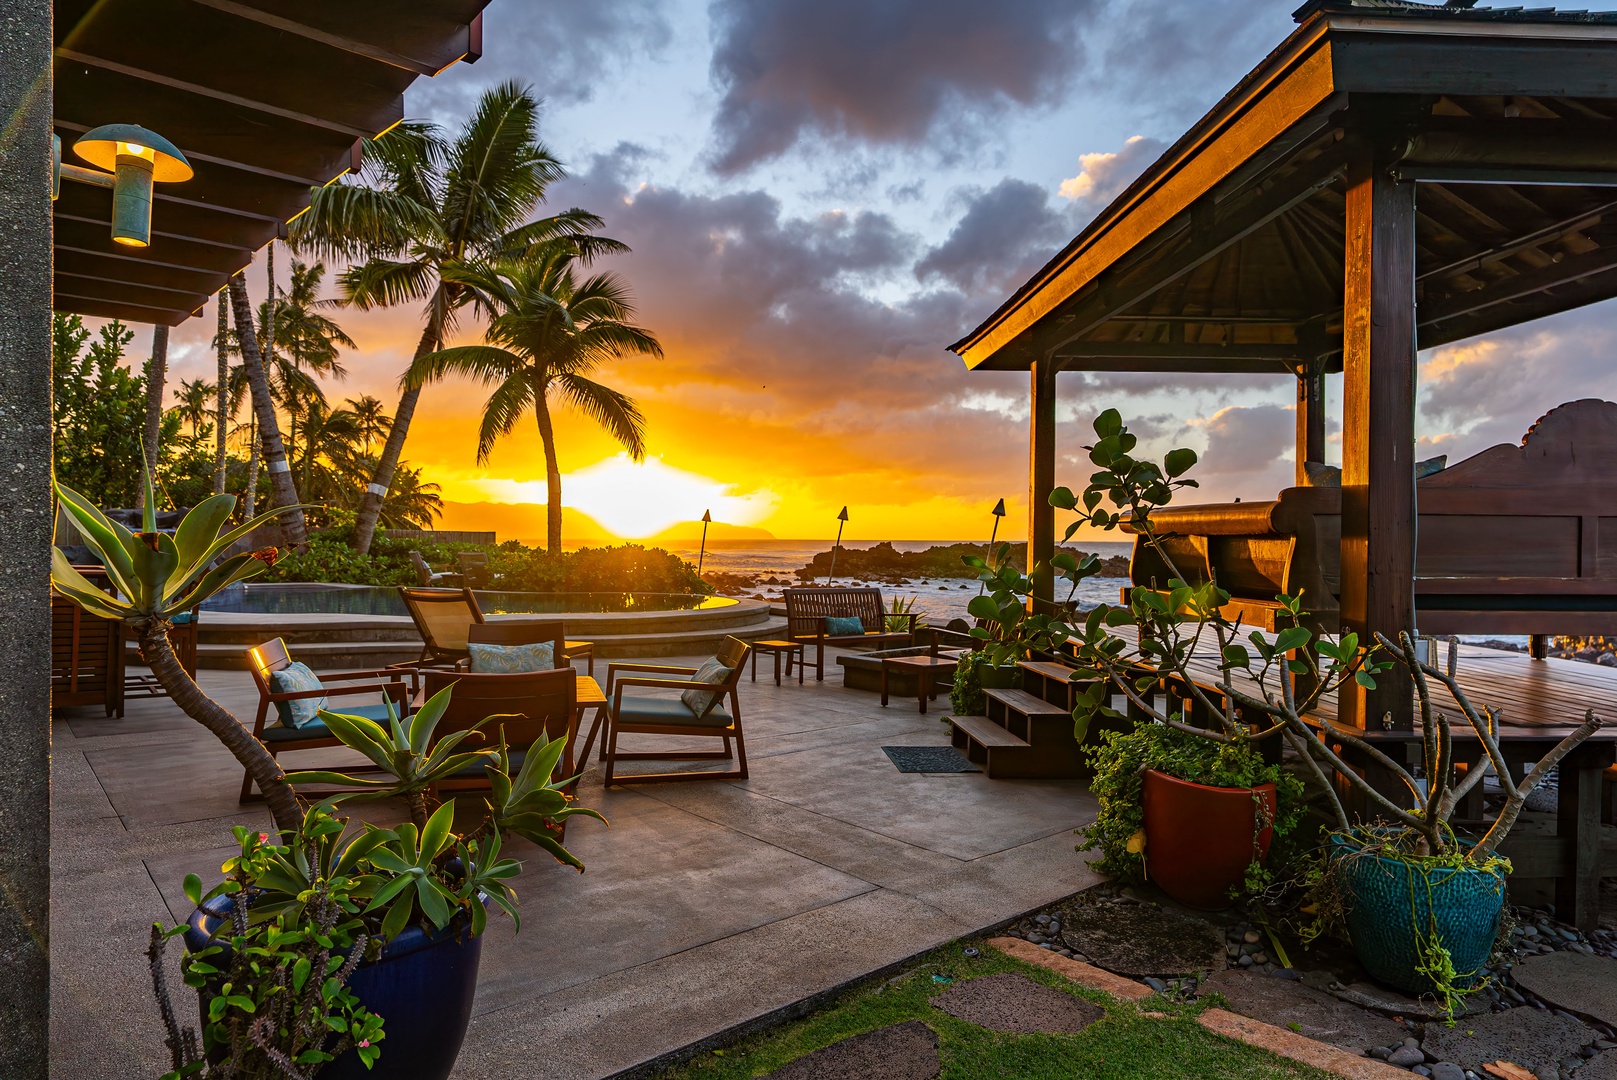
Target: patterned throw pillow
x: 292, y: 679
x: 511, y: 659
x: 701, y: 702
x: 849, y: 627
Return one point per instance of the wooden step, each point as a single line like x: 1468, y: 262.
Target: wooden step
x: 985, y: 731
x: 1049, y: 669
x: 1020, y: 701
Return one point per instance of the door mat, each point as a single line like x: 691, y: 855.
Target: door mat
x: 928, y: 759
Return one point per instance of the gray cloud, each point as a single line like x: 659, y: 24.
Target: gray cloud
x: 882, y: 71
x: 564, y: 49
x: 1006, y: 233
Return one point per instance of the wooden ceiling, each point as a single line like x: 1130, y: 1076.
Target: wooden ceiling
x: 1227, y: 255
x: 266, y: 98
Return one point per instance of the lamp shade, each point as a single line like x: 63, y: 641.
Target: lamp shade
x: 104, y: 145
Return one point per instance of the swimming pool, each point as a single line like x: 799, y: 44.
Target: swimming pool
x: 326, y: 599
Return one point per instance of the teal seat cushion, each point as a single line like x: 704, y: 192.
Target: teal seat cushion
x: 316, y: 728
x: 292, y: 679
x: 849, y: 627
x: 700, y: 702
x: 669, y: 712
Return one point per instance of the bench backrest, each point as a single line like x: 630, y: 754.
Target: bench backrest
x: 522, y: 632
x: 805, y: 608
x: 530, y: 705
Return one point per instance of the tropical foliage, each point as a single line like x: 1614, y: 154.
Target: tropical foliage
x: 548, y: 332
x: 421, y: 207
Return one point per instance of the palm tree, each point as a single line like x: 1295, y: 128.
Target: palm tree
x: 221, y: 345
x: 193, y: 398
x: 548, y: 332
x: 422, y: 204
x: 370, y: 422
x: 282, y: 485
x: 411, y: 504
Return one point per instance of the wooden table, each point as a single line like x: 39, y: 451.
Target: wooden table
x: 793, y: 651
x: 590, y: 696
x: 925, y: 669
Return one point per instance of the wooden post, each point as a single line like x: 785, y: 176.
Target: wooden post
x: 1378, y: 433
x: 1041, y: 517
x: 1310, y: 416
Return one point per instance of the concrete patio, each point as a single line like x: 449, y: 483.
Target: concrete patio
x: 705, y: 906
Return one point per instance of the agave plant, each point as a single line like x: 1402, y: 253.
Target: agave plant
x: 529, y: 804
x: 156, y: 576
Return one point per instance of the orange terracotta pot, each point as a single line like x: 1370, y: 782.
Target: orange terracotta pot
x: 1199, y: 840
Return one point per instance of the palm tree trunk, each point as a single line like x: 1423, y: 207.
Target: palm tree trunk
x: 547, y: 435
x: 370, y: 504
x: 156, y: 372
x: 252, y: 754
x: 283, y: 487
x: 250, y: 501
x: 221, y: 412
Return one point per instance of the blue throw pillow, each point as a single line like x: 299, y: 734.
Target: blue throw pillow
x: 701, y: 702
x: 849, y: 627
x: 290, y: 680
x: 512, y: 659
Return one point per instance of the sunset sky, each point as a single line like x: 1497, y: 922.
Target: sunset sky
x: 821, y: 195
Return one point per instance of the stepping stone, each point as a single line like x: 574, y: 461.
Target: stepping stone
x: 903, y: 1052
x: 1382, y: 999
x: 1139, y: 940
x: 1318, y: 1015
x: 1017, y: 1005
x: 1528, y: 1037
x: 1572, y: 981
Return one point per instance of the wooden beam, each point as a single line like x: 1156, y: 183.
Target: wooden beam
x: 1041, y: 517
x: 1310, y: 417
x: 1518, y: 287
x: 1206, y: 234
x: 1378, y: 434
x: 339, y: 41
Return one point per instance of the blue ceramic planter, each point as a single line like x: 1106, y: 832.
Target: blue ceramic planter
x: 421, y: 986
x: 1393, y: 907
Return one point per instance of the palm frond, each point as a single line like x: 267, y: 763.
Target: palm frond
x: 612, y: 409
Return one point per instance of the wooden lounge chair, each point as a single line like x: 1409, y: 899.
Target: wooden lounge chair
x: 442, y: 617
x: 430, y: 577
x: 647, y: 715
x: 266, y: 659
x: 530, y: 706
x: 808, y: 608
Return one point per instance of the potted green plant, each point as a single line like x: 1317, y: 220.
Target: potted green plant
x: 1436, y: 895
x: 397, y: 914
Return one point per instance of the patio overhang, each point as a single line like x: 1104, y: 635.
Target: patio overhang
x: 266, y: 98
x: 1394, y: 176
x: 1234, y: 238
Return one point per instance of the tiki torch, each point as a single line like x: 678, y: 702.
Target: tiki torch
x: 707, y: 519
x: 998, y: 512
x: 842, y: 519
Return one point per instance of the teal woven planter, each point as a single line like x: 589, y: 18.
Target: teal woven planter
x: 1393, y: 908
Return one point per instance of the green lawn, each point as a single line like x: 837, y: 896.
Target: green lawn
x: 1125, y: 1044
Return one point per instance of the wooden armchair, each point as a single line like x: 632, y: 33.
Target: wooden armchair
x: 647, y: 715
x: 530, y: 706
x: 807, y: 609
x: 87, y: 653
x: 473, y: 567
x: 266, y: 659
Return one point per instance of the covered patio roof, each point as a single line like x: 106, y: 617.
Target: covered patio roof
x: 1227, y: 254
x: 266, y: 98
x: 1393, y: 176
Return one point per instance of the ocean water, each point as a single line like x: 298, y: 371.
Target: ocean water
x: 940, y: 599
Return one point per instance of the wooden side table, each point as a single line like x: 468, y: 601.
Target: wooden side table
x: 792, y: 650
x: 924, y: 668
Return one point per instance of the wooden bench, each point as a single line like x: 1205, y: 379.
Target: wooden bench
x: 808, y: 608
x: 1515, y: 540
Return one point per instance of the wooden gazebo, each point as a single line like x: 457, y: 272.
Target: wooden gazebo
x: 1393, y: 176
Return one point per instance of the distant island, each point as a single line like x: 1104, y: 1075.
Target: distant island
x: 886, y: 564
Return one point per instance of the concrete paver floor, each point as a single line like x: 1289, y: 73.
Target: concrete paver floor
x: 705, y: 906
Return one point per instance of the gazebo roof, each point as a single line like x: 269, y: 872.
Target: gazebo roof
x: 266, y: 98
x: 1227, y: 253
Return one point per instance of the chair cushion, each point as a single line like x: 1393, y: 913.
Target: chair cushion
x: 701, y: 702
x: 669, y: 712
x: 835, y: 627
x: 292, y: 679
x: 512, y: 659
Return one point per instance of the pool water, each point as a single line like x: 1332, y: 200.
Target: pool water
x: 313, y: 599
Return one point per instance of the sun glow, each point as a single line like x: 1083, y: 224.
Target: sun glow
x: 637, y: 500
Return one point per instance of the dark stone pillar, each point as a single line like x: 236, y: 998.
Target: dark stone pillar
x: 25, y: 536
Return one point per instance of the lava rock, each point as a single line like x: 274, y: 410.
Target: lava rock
x: 1514, y: 1035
